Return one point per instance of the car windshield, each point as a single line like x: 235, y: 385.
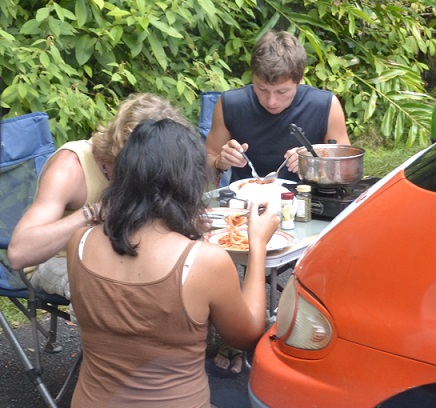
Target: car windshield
x: 422, y: 172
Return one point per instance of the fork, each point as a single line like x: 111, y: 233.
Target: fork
x: 253, y: 170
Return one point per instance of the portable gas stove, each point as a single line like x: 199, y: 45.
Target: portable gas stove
x: 328, y: 202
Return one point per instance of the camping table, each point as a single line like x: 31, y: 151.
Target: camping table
x: 304, y: 234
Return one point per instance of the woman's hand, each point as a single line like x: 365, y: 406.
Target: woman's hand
x: 261, y: 227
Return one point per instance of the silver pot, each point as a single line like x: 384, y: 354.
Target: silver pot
x: 337, y: 165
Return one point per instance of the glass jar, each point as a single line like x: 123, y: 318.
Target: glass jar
x: 288, y: 211
x: 304, y: 203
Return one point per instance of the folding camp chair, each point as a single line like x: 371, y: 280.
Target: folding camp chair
x: 208, y: 101
x: 26, y: 144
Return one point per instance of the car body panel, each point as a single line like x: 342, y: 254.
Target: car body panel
x: 386, y: 320
x: 335, y: 381
x: 372, y: 273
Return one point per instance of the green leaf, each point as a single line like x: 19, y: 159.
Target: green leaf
x: 99, y: 3
x: 54, y: 26
x: 268, y: 26
x: 30, y: 27
x: 313, y: 39
x: 9, y: 93
x: 165, y: 28
x: 371, y: 106
x: 411, y: 136
x: 433, y: 123
x: 351, y: 24
x: 22, y: 90
x: 158, y: 51
x: 387, y: 122
x: 42, y: 14
x: 321, y: 72
x: 301, y: 18
x: 116, y: 33
x: 208, y: 7
x: 117, y: 12
x: 130, y: 77
x: 362, y: 15
x: 81, y: 10
x: 180, y: 87
x: 88, y: 70
x: 57, y: 59
x: 44, y: 59
x: 6, y: 35
x: 84, y: 49
x: 399, y: 127
x: 59, y: 11
x: 387, y: 76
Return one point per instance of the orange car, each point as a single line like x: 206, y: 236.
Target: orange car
x: 356, y: 323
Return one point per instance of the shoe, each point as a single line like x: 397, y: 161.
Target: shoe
x: 233, y: 362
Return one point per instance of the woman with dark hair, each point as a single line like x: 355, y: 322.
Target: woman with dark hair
x: 145, y: 289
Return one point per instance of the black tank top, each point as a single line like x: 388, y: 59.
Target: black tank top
x: 268, y: 135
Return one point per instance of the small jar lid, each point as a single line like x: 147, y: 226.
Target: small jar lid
x: 288, y: 196
x: 303, y: 188
x: 223, y: 194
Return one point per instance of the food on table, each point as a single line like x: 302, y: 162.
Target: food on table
x: 255, y: 181
x: 235, y: 239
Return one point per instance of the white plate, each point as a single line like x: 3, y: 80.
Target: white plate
x: 240, y: 184
x: 217, y: 215
x: 247, y: 189
x: 279, y: 240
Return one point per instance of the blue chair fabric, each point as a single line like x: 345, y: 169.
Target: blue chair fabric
x: 26, y: 144
x: 208, y: 101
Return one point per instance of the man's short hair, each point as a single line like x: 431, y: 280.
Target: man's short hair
x: 278, y: 57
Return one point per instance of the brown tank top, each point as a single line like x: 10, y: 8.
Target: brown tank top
x: 141, y: 349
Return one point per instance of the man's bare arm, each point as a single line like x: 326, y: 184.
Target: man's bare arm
x: 42, y: 232
x: 223, y: 152
x: 337, y: 128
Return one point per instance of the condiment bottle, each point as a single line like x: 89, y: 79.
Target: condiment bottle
x: 304, y: 203
x: 288, y: 211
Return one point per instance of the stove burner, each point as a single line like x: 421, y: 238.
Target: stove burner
x: 327, y: 191
x: 335, y: 192
x: 327, y: 202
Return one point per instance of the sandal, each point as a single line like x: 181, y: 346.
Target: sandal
x: 231, y: 355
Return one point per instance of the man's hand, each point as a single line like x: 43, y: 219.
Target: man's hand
x: 230, y: 155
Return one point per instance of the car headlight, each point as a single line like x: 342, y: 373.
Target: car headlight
x: 299, y: 323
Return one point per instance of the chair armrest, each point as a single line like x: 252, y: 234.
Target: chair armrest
x: 4, y: 242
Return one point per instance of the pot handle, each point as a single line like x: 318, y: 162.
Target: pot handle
x: 295, y: 130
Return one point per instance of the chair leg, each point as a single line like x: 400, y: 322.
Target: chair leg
x: 52, y: 346
x: 69, y: 378
x: 32, y: 373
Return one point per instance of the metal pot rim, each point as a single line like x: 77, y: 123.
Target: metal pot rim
x: 331, y: 147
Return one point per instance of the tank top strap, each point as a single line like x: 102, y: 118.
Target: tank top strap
x: 189, y: 260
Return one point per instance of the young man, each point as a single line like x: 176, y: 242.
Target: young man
x: 69, y: 190
x: 255, y: 119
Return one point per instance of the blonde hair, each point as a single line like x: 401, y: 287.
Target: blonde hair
x: 108, y: 140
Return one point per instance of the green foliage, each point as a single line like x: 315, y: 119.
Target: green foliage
x: 370, y: 54
x: 76, y: 59
x: 382, y: 160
